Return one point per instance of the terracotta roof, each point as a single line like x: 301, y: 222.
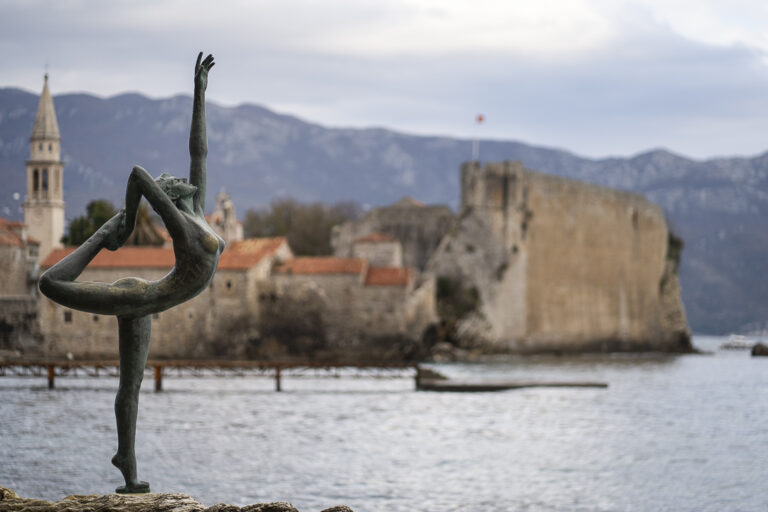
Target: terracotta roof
x: 9, y: 238
x: 240, y: 255
x: 375, y: 238
x: 387, y: 276
x: 8, y: 235
x: 246, y: 253
x: 125, y: 257
x: 321, y: 265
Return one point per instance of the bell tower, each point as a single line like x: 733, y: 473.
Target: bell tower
x: 44, y: 203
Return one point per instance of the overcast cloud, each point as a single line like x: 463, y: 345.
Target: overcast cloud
x: 598, y: 77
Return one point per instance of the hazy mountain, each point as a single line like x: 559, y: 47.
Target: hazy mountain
x: 719, y: 206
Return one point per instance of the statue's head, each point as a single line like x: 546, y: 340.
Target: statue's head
x: 175, y: 188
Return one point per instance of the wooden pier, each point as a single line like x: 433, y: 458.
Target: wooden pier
x: 472, y: 386
x: 424, y: 379
x: 198, y: 368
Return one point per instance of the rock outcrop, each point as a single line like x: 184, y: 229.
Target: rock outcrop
x: 759, y: 349
x: 152, y: 502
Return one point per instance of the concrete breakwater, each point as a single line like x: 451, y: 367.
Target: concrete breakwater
x: 150, y: 502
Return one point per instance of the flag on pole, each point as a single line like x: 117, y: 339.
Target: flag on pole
x: 475, y: 142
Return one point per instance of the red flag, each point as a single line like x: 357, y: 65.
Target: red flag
x: 480, y: 118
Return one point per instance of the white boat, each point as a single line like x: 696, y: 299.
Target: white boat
x: 736, y: 342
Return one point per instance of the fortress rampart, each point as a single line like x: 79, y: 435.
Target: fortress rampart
x: 561, y: 265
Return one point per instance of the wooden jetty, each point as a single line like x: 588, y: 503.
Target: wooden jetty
x: 473, y: 386
x: 161, y: 368
x: 424, y: 378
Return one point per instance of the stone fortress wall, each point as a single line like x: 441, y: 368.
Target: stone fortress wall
x: 349, y: 309
x: 561, y: 265
x: 558, y: 265
x: 17, y: 268
x: 18, y: 273
x: 418, y: 227
x: 379, y: 249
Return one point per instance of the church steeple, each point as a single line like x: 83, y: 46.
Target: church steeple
x: 44, y: 204
x: 46, y: 127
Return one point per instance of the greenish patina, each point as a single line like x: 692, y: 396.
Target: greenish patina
x: 196, y: 246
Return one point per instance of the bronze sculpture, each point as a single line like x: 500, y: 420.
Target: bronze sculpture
x: 196, y: 247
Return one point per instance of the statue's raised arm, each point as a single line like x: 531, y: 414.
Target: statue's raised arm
x: 198, y: 140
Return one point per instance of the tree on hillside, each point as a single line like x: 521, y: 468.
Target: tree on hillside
x: 81, y: 228
x: 306, y: 225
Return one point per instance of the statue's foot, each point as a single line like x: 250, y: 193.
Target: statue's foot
x: 127, y: 466
x: 137, y: 487
x: 122, y: 463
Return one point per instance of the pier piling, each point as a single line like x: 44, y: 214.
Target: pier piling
x: 158, y: 378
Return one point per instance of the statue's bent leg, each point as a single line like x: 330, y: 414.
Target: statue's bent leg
x: 134, y: 347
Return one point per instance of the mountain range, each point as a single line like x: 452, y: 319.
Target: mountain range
x: 719, y: 206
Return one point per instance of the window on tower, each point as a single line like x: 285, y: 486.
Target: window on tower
x: 50, y: 148
x: 35, y: 180
x: 40, y: 146
x: 45, y: 180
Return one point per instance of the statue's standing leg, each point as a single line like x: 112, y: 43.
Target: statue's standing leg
x: 134, y: 347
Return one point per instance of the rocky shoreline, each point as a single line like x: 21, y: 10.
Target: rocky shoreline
x: 150, y: 502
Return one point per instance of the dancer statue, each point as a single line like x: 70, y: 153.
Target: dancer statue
x: 196, y: 247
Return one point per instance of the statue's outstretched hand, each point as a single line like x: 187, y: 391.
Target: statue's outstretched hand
x: 114, y: 232
x: 201, y: 71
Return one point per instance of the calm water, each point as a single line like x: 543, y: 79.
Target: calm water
x: 670, y: 433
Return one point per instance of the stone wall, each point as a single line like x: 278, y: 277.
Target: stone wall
x: 562, y: 265
x: 418, y: 227
x: 338, y: 317
x: 253, y: 313
x: 19, y: 329
x: 15, y: 271
x: 381, y: 253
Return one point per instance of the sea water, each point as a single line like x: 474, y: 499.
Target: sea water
x: 678, y: 433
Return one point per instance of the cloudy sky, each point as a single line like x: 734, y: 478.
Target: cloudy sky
x: 597, y: 77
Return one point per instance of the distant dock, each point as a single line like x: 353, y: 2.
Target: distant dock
x: 161, y: 368
x: 474, y: 387
x: 424, y: 378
